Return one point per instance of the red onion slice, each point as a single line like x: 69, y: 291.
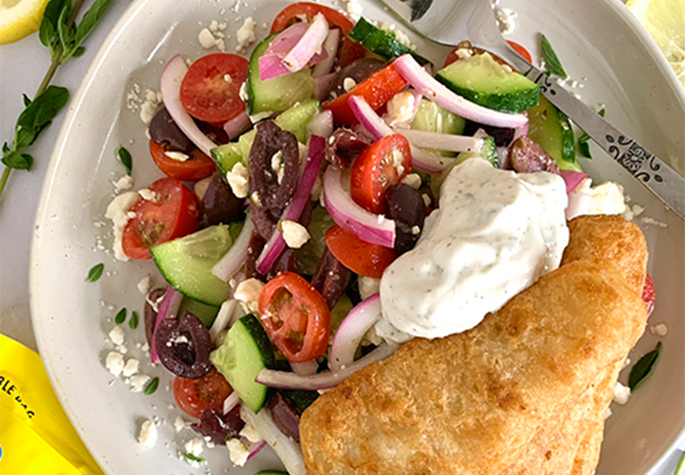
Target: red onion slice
x: 572, y: 179
x: 352, y: 329
x: 521, y: 130
x: 276, y: 244
x: 330, y: 46
x: 235, y: 257
x: 171, y: 302
x: 323, y: 85
x: 170, y: 86
x: 255, y: 448
x: 287, y: 39
x: 369, y: 227
x: 309, y: 45
x: 287, y: 449
x: 321, y: 124
x: 231, y: 402
x: 328, y: 379
x: 436, y: 92
x: 377, y: 128
x: 237, y: 125
x: 445, y: 142
x: 223, y: 319
x: 305, y: 369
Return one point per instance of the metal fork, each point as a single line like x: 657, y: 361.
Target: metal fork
x: 438, y: 20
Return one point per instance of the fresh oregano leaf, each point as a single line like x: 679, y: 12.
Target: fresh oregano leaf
x: 120, y: 317
x: 152, y: 386
x: 44, y: 108
x: 125, y: 159
x: 133, y: 322
x: 551, y: 59
x: 90, y: 19
x: 643, y: 368
x: 48, y: 26
x: 193, y: 458
x: 95, y: 273
x: 78, y: 52
x: 24, y: 138
x: 16, y: 160
x: 65, y: 32
x: 27, y: 100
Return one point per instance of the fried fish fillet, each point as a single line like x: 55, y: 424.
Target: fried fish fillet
x: 524, y: 393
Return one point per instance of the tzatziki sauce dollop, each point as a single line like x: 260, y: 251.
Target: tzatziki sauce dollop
x: 494, y: 233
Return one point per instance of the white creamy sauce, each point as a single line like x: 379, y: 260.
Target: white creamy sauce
x: 494, y: 234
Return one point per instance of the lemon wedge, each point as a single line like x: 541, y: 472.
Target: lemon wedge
x: 20, y: 18
x: 665, y: 21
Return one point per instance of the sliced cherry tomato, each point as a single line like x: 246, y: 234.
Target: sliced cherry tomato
x: 369, y: 260
x: 196, y: 395
x: 195, y: 168
x: 376, y: 90
x: 296, y: 317
x: 452, y: 56
x: 208, y: 94
x: 171, y: 215
x: 381, y: 165
x: 649, y: 295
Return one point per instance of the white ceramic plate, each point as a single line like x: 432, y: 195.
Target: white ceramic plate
x: 598, y: 42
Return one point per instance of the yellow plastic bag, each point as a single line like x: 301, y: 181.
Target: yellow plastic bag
x: 36, y: 437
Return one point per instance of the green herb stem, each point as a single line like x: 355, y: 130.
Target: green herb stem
x: 3, y: 180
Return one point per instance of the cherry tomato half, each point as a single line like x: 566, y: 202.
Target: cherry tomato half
x: 649, y: 295
x: 369, y: 260
x: 376, y: 90
x: 381, y: 165
x: 296, y: 317
x: 210, y: 90
x: 195, y: 168
x: 452, y: 56
x: 196, y: 395
x: 171, y: 215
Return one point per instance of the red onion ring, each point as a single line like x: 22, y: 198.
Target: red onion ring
x: 321, y: 124
x: 330, y: 46
x: 351, y: 331
x: 235, y: 257
x: 237, y: 125
x: 171, y: 302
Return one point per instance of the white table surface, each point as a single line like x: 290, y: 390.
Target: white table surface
x: 22, y: 66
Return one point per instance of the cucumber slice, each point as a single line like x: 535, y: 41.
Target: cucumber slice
x: 482, y: 80
x: 432, y: 118
x: 244, y: 353
x: 293, y: 120
x: 186, y: 263
x: 206, y: 313
x: 383, y: 43
x: 489, y: 153
x: 551, y: 128
x: 301, y: 399
x: 309, y: 256
x: 277, y: 94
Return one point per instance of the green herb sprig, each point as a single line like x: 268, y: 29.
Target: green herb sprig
x: 552, y: 63
x: 584, y: 140
x: 120, y: 317
x: 643, y: 368
x: 194, y: 458
x: 64, y: 37
x: 133, y: 322
x: 95, y: 273
x: 152, y: 386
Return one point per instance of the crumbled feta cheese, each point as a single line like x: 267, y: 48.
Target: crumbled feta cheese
x: 277, y: 165
x: 368, y: 286
x: 145, y: 284
x: 195, y: 446
x: 260, y: 116
x: 401, y: 108
x: 149, y: 108
x: 250, y: 434
x: 294, y: 234
x: 238, y: 453
x: 397, y: 161
x: 248, y: 292
x: 246, y: 34
x: 138, y: 382
x: 415, y: 230
x: 463, y: 53
x: 426, y: 199
x: 206, y: 39
x: 117, y: 335
x: 239, y: 180
x: 178, y: 156
x: 354, y: 9
x: 397, y: 34
x: 118, y: 212
x: 243, y: 92
x: 124, y: 183
x: 122, y: 349
x: 633, y: 211
x: 621, y: 394
x: 371, y: 337
x: 148, y: 195
x: 413, y: 180
x: 180, y: 423
x: 147, y: 437
x: 659, y: 330
x: 114, y: 363
x: 505, y: 20
x: 653, y: 222
x: 131, y: 367
x: 349, y: 84
x: 228, y: 78
x: 608, y: 413
x: 178, y: 340
x: 606, y: 198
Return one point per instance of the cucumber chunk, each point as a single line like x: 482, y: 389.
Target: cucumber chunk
x: 186, y: 263
x: 206, y: 313
x: 244, y: 353
x: 301, y: 399
x: 482, y: 80
x: 551, y: 128
x: 293, y: 120
x: 430, y: 117
x: 384, y: 43
x: 489, y: 153
x: 277, y: 94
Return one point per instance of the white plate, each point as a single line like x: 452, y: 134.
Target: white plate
x: 596, y: 40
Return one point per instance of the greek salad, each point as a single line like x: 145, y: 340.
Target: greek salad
x: 328, y: 198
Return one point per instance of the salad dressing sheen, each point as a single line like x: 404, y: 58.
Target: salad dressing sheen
x: 494, y: 234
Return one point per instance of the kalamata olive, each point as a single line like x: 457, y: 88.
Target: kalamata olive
x: 344, y: 146
x: 407, y: 208
x: 218, y: 426
x: 331, y: 278
x: 502, y: 136
x: 527, y: 156
x: 183, y: 346
x: 254, y: 248
x: 264, y: 220
x: 284, y: 415
x: 164, y: 130
x: 274, y: 166
x: 358, y: 71
x: 219, y: 204
x: 286, y: 262
x: 152, y: 301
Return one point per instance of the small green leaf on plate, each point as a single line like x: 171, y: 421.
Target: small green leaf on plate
x: 120, y: 317
x: 193, y: 458
x: 643, y: 368
x: 125, y: 159
x: 584, y: 140
x: 133, y: 322
x: 551, y: 59
x: 152, y: 386
x: 95, y: 273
